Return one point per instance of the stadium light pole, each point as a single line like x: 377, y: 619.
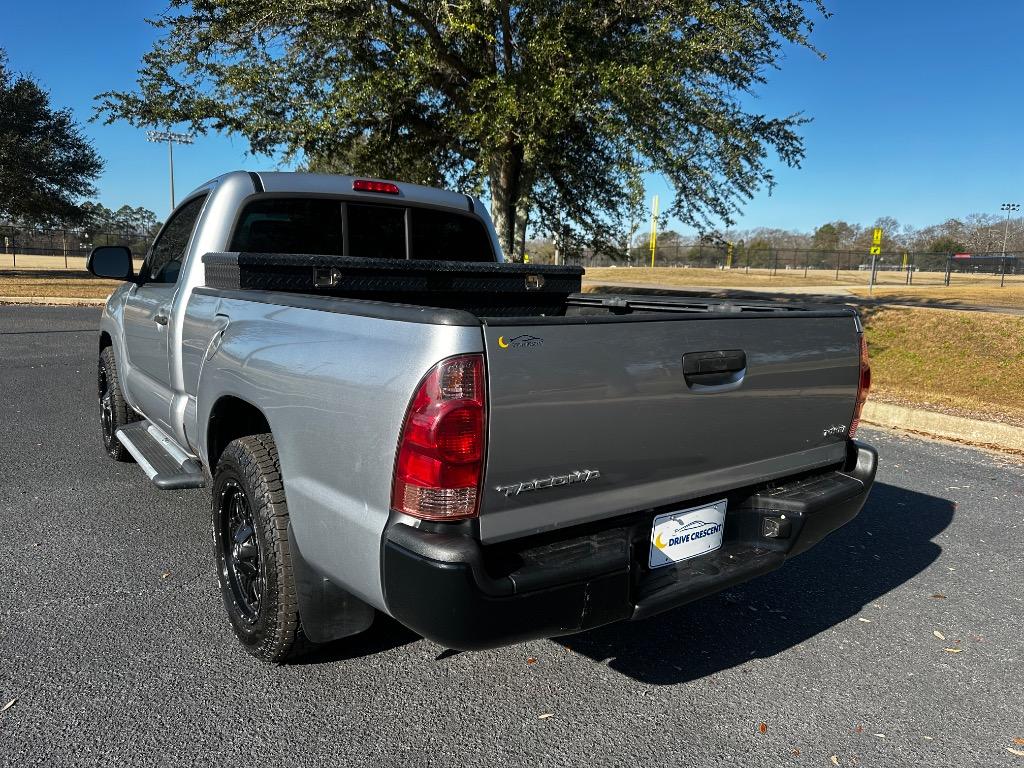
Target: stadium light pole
x: 171, y: 138
x: 1009, y: 208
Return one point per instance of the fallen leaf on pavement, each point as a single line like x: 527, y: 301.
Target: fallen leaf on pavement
x: 859, y: 729
x: 939, y: 635
x: 763, y: 727
x: 1018, y: 741
x: 8, y: 705
x: 531, y: 660
x: 546, y: 715
x: 953, y: 650
x: 796, y: 752
x: 1017, y: 752
x: 938, y: 596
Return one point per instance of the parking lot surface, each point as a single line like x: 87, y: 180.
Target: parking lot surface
x: 897, y: 641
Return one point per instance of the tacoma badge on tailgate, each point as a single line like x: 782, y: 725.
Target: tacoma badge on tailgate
x: 579, y: 476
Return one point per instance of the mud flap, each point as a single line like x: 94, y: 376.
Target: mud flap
x: 327, y: 611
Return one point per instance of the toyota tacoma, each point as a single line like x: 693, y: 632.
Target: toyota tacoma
x: 390, y: 417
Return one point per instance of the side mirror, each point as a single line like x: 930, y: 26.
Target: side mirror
x: 114, y: 261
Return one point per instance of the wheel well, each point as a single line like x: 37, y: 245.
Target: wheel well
x: 105, y: 341
x: 230, y: 419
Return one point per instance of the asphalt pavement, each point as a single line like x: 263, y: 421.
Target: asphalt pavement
x: 898, y: 641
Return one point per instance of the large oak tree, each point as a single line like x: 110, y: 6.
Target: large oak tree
x: 555, y: 107
x: 46, y: 164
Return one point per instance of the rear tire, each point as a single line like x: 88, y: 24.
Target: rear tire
x: 254, y: 565
x: 114, y: 409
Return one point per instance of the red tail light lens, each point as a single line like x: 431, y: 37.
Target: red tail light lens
x: 365, y: 185
x: 863, y: 385
x: 441, y: 450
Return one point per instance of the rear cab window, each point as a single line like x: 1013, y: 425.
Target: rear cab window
x: 376, y: 231
x: 337, y: 227
x: 290, y: 225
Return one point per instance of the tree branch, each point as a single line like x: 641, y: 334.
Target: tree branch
x: 453, y: 61
x: 506, y: 36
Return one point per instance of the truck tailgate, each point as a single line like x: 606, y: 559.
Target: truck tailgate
x: 591, y: 418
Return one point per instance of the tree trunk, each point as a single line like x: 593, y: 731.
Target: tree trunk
x: 503, y: 216
x: 522, y: 221
x: 506, y: 192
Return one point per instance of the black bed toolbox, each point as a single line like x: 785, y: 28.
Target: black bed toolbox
x: 485, y: 288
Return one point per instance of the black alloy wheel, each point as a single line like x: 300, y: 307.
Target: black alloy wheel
x: 114, y: 409
x: 243, y: 566
x: 250, y: 538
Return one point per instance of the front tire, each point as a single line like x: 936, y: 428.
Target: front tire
x: 114, y: 409
x: 254, y: 566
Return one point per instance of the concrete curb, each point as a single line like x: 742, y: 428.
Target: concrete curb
x: 986, y: 433
x: 53, y: 300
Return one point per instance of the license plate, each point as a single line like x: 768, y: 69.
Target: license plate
x: 684, y: 535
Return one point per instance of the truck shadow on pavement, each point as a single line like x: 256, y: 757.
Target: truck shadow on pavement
x: 385, y: 634
x: 888, y: 544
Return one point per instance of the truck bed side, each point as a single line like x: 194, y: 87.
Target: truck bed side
x: 333, y: 386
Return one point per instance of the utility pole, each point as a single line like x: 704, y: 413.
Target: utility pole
x: 1009, y: 208
x: 171, y: 138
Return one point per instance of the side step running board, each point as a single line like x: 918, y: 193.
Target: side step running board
x: 167, y: 465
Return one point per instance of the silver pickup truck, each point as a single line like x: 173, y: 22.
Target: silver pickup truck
x: 391, y: 419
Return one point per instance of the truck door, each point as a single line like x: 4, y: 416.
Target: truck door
x: 147, y: 314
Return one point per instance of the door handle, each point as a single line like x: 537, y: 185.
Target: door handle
x: 160, y: 318
x: 714, y: 369
x: 720, y: 361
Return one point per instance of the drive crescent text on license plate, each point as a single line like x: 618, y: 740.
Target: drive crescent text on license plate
x: 689, y: 533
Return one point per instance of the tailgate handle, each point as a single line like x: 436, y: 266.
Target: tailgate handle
x: 722, y: 366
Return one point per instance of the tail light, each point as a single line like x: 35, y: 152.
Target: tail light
x: 441, y: 449
x: 863, y: 385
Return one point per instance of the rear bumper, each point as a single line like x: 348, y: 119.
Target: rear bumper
x: 449, y: 588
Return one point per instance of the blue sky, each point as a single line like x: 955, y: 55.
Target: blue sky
x: 917, y: 109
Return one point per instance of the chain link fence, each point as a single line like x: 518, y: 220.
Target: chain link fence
x: 41, y: 248
x: 37, y: 248
x: 820, y: 266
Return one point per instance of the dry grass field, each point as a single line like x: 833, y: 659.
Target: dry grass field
x: 53, y: 263
x: 45, y: 276
x: 965, y: 363
x: 70, y: 284
x: 1011, y: 296
x: 964, y: 291
x: 681, y: 277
